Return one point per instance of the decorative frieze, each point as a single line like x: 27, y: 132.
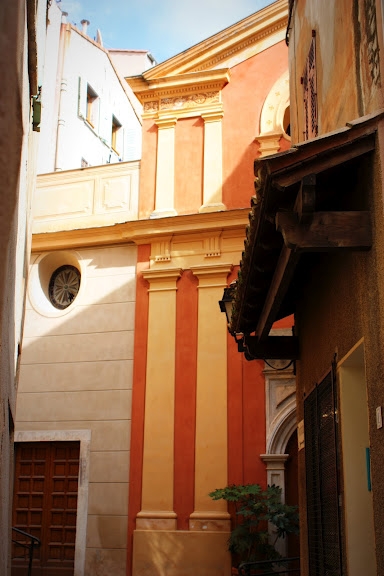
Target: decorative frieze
x: 189, y: 100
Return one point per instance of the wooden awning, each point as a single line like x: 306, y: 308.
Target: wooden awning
x: 301, y: 206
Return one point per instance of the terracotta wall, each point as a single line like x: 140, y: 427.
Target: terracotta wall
x: 243, y: 99
x: 245, y: 401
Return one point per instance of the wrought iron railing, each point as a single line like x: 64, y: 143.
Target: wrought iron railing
x: 30, y: 543
x: 282, y: 566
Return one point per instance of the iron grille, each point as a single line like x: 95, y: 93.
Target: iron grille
x: 322, y: 476
x: 310, y: 92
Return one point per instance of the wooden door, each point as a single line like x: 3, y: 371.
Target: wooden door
x: 45, y: 504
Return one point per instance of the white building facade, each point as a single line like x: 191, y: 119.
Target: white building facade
x: 90, y: 116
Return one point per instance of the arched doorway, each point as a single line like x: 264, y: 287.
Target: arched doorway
x: 281, y: 457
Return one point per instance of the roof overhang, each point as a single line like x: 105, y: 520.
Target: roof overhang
x: 294, y: 212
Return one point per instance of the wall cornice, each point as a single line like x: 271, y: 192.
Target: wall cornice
x: 142, y: 231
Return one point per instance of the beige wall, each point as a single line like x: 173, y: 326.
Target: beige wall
x: 87, y: 198
x: 347, y: 61
x: 76, y: 374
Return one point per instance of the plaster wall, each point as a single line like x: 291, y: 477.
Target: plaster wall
x: 87, y: 198
x: 243, y: 99
x: 50, y: 92
x: 347, y: 61
x: 341, y: 302
x: 82, y: 61
x: 76, y: 374
x: 18, y: 168
x: 131, y: 62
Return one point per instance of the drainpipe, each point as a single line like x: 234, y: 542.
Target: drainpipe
x: 65, y: 33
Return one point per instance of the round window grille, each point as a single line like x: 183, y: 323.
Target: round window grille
x: 64, y: 286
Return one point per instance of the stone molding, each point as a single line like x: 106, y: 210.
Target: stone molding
x: 142, y: 231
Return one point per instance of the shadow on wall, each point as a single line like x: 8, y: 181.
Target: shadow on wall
x: 76, y: 373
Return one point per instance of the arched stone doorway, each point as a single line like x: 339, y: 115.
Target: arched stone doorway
x: 281, y: 435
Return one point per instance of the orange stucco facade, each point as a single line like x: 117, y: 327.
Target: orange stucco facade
x: 199, y: 410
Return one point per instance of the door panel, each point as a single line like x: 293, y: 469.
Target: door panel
x: 322, y: 479
x: 45, y: 504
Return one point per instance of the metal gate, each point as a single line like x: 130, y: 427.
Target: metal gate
x: 322, y: 478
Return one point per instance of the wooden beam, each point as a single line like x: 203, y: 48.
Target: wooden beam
x: 325, y: 231
x: 277, y: 290
x: 272, y: 348
x: 324, y: 158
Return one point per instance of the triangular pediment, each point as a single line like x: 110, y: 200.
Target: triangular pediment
x: 230, y: 46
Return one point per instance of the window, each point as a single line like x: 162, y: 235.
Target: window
x: 92, y: 106
x: 309, y: 83
x: 115, y: 137
x: 64, y: 286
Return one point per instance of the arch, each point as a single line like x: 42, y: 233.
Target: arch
x: 283, y: 428
x: 273, y: 118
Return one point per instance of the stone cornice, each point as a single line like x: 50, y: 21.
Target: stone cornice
x: 183, y: 95
x: 54, y: 178
x: 169, y: 84
x: 222, y: 46
x: 142, y: 231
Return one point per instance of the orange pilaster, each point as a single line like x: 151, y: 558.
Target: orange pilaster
x: 138, y: 397
x: 185, y: 398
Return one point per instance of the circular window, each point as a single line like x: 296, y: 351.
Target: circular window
x: 64, y: 286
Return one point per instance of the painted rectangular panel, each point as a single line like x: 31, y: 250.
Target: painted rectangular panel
x: 114, y: 195
x: 63, y: 201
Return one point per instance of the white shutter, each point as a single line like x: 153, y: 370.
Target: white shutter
x: 82, y: 98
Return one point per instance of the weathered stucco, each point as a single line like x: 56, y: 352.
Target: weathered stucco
x: 341, y: 301
x: 345, y: 91
x: 17, y: 165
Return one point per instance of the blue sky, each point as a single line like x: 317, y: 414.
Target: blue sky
x: 164, y: 27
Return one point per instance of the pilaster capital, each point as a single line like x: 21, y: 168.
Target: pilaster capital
x: 274, y: 461
x: 214, y: 116
x: 166, y: 122
x: 163, y: 279
x: 212, y: 276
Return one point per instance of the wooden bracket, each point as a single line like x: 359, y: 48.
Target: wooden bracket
x: 325, y: 231
x: 306, y: 198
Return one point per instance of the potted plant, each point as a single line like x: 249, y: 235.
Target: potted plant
x: 260, y: 519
